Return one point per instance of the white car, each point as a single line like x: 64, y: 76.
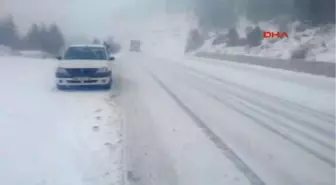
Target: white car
x: 84, y: 65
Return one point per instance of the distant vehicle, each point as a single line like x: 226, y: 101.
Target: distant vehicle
x: 84, y: 65
x: 135, y: 46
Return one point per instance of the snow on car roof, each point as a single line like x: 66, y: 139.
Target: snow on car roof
x: 87, y: 45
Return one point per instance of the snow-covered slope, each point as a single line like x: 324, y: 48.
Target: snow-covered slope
x: 51, y: 137
x: 321, y: 42
x: 166, y: 34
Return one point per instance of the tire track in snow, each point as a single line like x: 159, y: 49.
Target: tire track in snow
x: 253, y: 178
x: 270, y: 128
x: 324, y: 117
x: 144, y: 159
x: 240, y: 101
x: 286, y: 109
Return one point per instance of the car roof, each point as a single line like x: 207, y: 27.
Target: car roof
x: 87, y: 45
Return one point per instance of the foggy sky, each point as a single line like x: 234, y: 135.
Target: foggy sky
x: 91, y: 17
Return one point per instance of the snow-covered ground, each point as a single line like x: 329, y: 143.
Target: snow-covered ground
x: 51, y: 137
x: 183, y: 121
x: 195, y: 121
x: 34, y: 54
x: 320, y: 41
x: 5, y: 51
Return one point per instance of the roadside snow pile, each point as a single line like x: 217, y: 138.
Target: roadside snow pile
x: 304, y: 42
x: 35, y: 54
x: 5, y: 51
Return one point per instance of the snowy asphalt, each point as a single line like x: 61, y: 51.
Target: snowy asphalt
x: 192, y: 121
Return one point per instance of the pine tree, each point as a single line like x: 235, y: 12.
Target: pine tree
x: 215, y: 13
x: 32, y: 37
x: 56, y: 39
x: 43, y: 38
x: 96, y: 41
x: 9, y: 35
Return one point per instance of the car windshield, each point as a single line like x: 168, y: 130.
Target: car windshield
x: 85, y: 53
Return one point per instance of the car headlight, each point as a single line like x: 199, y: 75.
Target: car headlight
x: 102, y: 70
x: 62, y: 70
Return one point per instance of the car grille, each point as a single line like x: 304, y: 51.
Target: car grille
x: 81, y: 72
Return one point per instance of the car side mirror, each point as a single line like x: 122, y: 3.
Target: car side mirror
x: 59, y: 58
x: 111, y: 58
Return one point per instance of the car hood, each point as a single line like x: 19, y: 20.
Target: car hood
x: 83, y: 63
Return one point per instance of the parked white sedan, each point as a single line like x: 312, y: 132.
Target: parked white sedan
x: 84, y: 65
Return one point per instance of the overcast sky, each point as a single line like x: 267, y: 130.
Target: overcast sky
x: 93, y: 17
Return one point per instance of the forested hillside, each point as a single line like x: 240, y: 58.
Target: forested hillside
x: 237, y: 26
x: 225, y: 13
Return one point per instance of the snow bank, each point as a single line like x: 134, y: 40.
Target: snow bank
x: 35, y: 54
x: 5, y: 51
x: 319, y: 41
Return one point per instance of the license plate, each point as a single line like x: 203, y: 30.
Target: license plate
x: 82, y: 79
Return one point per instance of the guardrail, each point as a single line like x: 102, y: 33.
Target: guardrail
x: 312, y: 67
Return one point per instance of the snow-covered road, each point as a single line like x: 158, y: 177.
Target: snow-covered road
x: 55, y: 138
x: 186, y: 121
x: 195, y: 121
